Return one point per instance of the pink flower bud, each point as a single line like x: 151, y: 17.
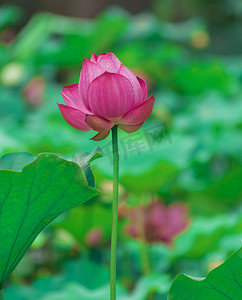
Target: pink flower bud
x: 107, y: 94
x: 34, y: 91
x: 94, y: 237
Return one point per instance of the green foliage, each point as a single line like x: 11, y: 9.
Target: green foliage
x: 10, y: 14
x: 208, y: 234
x: 221, y: 283
x: 77, y: 280
x: 32, y: 198
x: 198, y: 77
x: 82, y: 219
x: 150, y: 181
x: 36, y: 43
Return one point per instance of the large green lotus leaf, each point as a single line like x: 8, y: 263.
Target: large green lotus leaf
x: 16, y: 161
x: 224, y: 282
x: 31, y: 199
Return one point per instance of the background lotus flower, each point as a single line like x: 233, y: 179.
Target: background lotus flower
x: 107, y: 94
x: 158, y: 222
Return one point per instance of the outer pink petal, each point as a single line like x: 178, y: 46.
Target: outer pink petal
x: 110, y: 95
x: 100, y: 136
x: 143, y: 87
x: 138, y: 92
x: 109, y: 62
x: 139, y: 114
x: 90, y: 71
x: 72, y: 98
x: 98, y: 123
x: 130, y: 128
x: 93, y: 58
x: 74, y: 117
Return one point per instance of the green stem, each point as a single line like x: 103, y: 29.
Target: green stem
x: 145, y: 258
x: 114, y: 214
x: 143, y: 248
x: 146, y: 265
x: 1, y: 294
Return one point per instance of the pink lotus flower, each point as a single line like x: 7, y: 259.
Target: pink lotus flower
x: 107, y: 94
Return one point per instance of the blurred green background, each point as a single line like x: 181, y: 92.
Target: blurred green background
x: 183, y: 168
